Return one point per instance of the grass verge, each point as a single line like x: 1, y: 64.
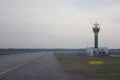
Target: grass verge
x: 75, y: 64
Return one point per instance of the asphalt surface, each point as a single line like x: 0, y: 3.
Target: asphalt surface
x: 32, y: 66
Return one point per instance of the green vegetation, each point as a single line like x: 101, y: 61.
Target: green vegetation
x: 79, y: 65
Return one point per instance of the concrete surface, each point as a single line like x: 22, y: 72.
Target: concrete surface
x: 32, y: 66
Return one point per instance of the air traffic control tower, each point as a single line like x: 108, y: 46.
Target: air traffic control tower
x: 96, y: 30
x: 96, y: 50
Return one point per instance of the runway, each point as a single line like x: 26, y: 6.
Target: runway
x: 31, y: 66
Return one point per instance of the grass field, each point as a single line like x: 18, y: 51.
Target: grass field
x: 79, y: 65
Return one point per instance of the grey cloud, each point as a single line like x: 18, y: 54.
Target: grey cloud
x: 53, y: 23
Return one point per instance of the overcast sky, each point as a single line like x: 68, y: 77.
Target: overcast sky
x: 58, y: 23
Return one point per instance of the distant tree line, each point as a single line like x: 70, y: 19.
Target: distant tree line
x: 39, y: 50
x: 81, y: 51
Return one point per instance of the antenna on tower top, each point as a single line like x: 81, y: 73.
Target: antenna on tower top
x: 97, y: 22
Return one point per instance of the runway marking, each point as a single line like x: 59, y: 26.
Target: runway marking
x: 19, y: 65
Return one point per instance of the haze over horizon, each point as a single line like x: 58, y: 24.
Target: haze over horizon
x: 58, y: 23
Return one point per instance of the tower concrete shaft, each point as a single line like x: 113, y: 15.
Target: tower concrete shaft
x: 96, y: 40
x: 96, y: 30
